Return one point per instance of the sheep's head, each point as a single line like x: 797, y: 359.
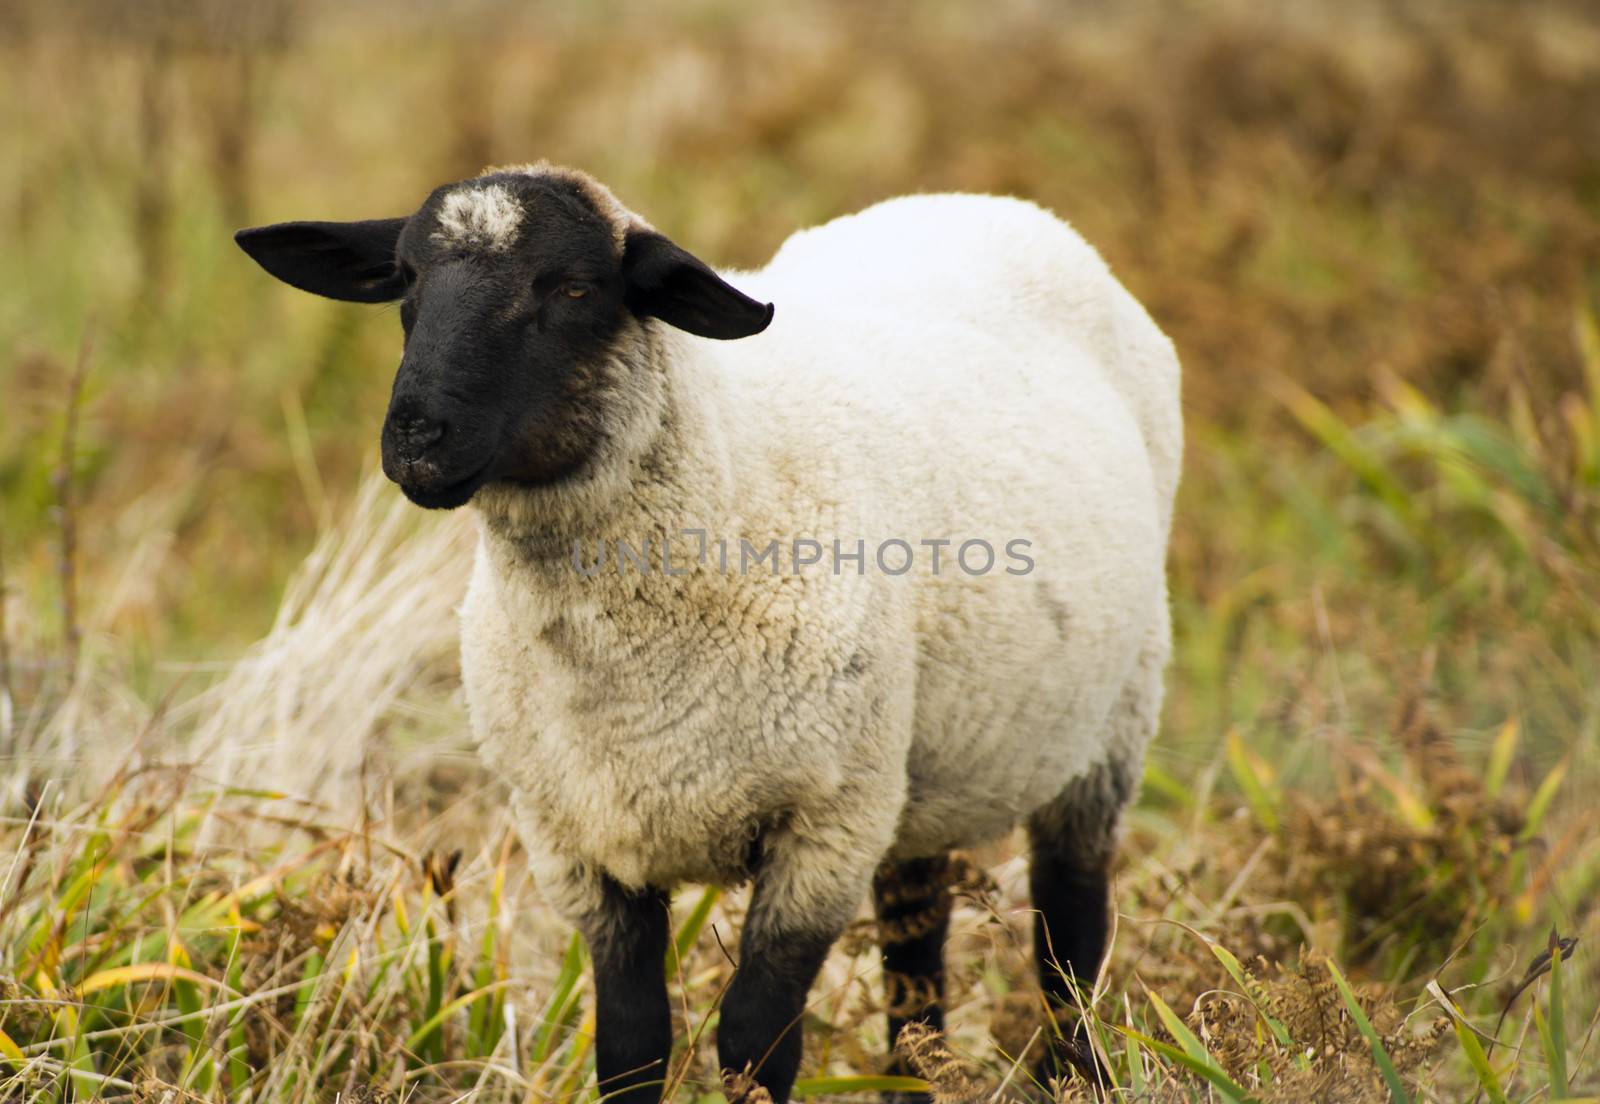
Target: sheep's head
x: 515, y: 290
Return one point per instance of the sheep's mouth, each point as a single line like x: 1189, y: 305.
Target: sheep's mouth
x: 448, y: 496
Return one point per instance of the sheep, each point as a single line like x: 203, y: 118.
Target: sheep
x: 810, y: 597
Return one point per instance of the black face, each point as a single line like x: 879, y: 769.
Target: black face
x: 514, y: 291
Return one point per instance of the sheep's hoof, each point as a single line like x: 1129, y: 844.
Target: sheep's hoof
x: 1068, y: 1058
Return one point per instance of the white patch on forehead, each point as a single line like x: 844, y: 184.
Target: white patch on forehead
x: 481, y: 216
x: 618, y: 217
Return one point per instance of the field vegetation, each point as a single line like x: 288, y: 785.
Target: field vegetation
x: 245, y: 850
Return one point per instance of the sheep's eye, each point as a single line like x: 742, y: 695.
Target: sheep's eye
x: 576, y: 289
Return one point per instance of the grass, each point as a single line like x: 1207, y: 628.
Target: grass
x: 245, y: 850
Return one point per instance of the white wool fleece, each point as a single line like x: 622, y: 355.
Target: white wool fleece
x: 946, y: 367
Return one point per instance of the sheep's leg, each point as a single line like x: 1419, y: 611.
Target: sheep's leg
x: 759, y: 1033
x: 1073, y: 840
x: 627, y: 936
x: 1069, y: 878
x: 805, y: 893
x: 1070, y: 883
x: 912, y: 903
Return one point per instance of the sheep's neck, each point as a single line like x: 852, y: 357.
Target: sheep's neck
x: 677, y: 482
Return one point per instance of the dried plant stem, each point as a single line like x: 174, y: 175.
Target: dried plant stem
x: 233, y: 128
x: 67, y: 505
x: 7, y: 695
x: 152, y: 197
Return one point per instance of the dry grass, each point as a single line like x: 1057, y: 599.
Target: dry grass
x: 244, y: 848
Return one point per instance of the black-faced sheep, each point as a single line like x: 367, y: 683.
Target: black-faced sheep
x: 885, y: 578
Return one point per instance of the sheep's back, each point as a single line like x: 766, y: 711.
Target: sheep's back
x: 915, y: 270
x: 965, y: 368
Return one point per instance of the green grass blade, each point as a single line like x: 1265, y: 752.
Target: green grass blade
x: 1236, y: 971
x: 1343, y: 442
x: 1231, y: 1090
x: 432, y: 1023
x: 1397, y: 1091
x: 1555, y: 1036
x: 1167, y: 785
x: 1194, y: 1055
x: 558, y: 1007
x: 486, y: 1020
x: 1248, y: 778
x: 1479, y: 1061
x: 1500, y: 757
x: 1541, y: 1027
x: 69, y: 1029
x: 11, y: 1052
x: 1192, y: 1046
x: 199, y: 1068
x: 1542, y: 798
x: 238, y: 1043
x: 308, y: 987
x: 432, y: 1045
x: 1135, y: 1059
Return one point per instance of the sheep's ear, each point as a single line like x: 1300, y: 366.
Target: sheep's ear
x: 354, y: 261
x: 668, y: 283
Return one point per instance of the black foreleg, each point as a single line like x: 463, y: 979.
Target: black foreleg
x: 627, y: 939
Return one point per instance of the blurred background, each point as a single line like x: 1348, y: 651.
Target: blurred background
x: 1372, y: 229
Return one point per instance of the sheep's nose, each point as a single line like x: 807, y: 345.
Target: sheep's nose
x: 416, y: 434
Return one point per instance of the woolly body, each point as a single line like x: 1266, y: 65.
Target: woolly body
x: 940, y: 367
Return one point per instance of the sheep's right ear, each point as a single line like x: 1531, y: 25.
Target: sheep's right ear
x: 667, y: 282
x: 353, y: 261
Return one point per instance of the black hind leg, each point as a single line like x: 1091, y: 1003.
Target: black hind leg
x: 1069, y: 876
x: 912, y: 902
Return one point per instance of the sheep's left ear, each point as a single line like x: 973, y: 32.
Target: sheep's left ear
x: 669, y: 283
x: 354, y: 261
